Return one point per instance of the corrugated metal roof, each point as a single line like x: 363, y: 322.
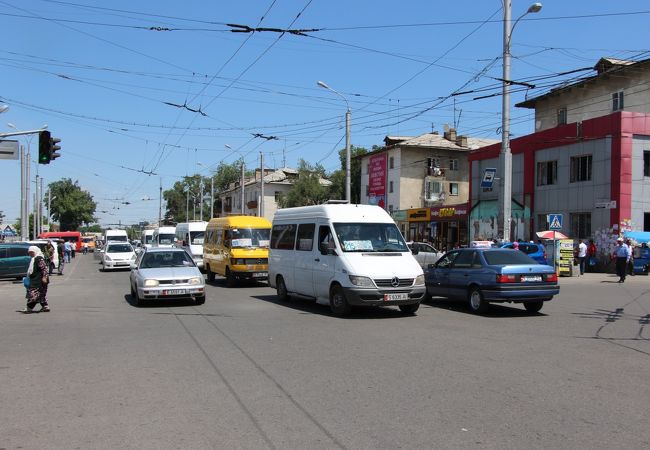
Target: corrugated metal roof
x: 438, y: 141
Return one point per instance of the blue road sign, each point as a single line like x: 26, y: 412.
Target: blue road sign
x: 554, y: 221
x: 488, y: 177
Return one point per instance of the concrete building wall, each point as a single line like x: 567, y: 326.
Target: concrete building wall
x: 640, y: 183
x: 595, y: 99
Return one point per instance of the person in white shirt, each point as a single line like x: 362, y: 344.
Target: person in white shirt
x: 582, y: 255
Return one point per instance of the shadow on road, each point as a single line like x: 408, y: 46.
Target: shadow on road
x: 496, y: 310
x: 163, y: 303
x: 307, y: 306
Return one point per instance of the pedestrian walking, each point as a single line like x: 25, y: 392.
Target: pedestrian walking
x: 591, y: 255
x: 61, y: 250
x: 630, y: 262
x: 581, y: 255
x: 38, y: 281
x: 85, y: 248
x: 622, y: 254
x: 73, y: 249
x: 67, y: 247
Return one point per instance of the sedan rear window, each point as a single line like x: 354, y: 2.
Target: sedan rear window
x: 505, y: 257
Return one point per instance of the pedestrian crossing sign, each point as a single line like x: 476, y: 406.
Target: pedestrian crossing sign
x: 554, y: 221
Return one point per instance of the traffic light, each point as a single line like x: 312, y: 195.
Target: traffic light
x: 44, y: 140
x: 47, y: 147
x: 54, y: 147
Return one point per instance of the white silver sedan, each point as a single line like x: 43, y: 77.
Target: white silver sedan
x: 117, y: 255
x: 166, y: 273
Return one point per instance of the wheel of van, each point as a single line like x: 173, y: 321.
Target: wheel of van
x: 477, y: 303
x: 338, y: 303
x: 281, y: 289
x: 534, y: 306
x: 409, y: 309
x: 210, y: 273
x: 230, y: 278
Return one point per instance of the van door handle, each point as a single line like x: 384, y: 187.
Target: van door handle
x: 317, y: 259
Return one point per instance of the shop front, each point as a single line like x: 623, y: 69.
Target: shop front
x: 448, y: 226
x: 419, y: 226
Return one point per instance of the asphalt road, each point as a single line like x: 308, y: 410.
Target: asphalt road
x: 247, y: 371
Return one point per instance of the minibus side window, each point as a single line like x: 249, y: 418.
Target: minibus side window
x: 283, y: 236
x: 306, y: 236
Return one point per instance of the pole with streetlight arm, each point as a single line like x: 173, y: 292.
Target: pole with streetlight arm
x: 505, y: 157
x: 348, y: 119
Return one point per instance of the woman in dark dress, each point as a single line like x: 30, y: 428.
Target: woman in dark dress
x: 38, y: 274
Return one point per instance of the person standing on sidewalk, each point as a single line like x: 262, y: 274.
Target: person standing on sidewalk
x: 38, y: 281
x: 591, y: 255
x: 61, y: 250
x: 67, y: 246
x: 581, y: 252
x: 622, y: 254
x: 630, y: 262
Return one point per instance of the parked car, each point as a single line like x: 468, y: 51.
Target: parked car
x: 168, y: 273
x: 641, y: 260
x: 535, y: 251
x: 481, y: 276
x: 14, y: 260
x: 117, y: 255
x: 424, y: 253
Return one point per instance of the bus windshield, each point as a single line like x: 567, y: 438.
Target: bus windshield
x: 166, y: 239
x: 370, y: 237
x: 248, y: 237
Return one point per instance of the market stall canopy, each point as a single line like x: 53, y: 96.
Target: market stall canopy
x: 550, y: 234
x: 639, y: 236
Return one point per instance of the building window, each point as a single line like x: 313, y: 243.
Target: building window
x: 390, y: 186
x: 453, y: 188
x: 391, y: 162
x: 581, y: 225
x: 432, y: 190
x: 561, y: 116
x: 646, y: 163
x: 617, y: 101
x: 542, y: 224
x: 433, y: 162
x: 546, y: 173
x: 277, y: 196
x: 453, y: 164
x: 580, y: 168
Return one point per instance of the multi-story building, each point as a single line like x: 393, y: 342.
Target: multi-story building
x: 594, y: 169
x: 276, y: 184
x: 423, y: 182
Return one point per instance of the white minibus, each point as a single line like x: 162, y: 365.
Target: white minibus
x: 343, y: 255
x: 190, y: 236
x: 164, y: 237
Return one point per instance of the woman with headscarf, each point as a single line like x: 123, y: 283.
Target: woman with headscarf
x: 38, y: 281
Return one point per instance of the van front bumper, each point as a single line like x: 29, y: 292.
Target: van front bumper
x: 379, y: 297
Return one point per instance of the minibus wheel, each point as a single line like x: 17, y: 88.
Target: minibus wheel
x: 210, y: 273
x: 230, y: 278
x: 338, y: 303
x: 281, y: 288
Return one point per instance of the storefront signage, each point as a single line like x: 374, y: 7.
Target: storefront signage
x: 377, y: 180
x: 419, y: 215
x: 450, y: 212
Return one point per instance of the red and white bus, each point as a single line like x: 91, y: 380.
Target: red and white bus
x: 74, y: 237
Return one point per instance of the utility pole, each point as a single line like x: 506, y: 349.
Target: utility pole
x: 261, y: 209
x: 212, y: 196
x: 243, y: 196
x: 201, y: 197
x: 160, y: 204
x: 23, y: 198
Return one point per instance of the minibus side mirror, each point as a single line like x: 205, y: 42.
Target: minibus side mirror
x: 325, y: 250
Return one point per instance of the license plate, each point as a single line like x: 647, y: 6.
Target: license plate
x: 525, y: 278
x: 391, y: 297
x: 175, y: 292
x: 259, y: 275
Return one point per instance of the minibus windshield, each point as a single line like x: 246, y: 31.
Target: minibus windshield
x: 196, y: 237
x: 166, y: 239
x: 370, y: 237
x: 248, y: 237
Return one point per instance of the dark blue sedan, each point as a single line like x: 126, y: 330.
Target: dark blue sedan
x: 482, y: 276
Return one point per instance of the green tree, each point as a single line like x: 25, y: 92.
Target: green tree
x: 95, y: 228
x: 72, y: 206
x: 307, y: 189
x: 337, y: 190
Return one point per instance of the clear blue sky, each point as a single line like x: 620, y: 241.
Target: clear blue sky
x: 100, y: 77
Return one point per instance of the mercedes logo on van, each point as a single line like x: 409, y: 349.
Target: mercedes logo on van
x: 394, y: 282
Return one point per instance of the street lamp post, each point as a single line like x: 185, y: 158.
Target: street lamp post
x: 505, y: 157
x: 348, y: 119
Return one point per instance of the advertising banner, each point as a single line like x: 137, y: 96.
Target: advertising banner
x: 377, y: 180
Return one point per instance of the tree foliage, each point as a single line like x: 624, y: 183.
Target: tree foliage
x: 72, y: 206
x: 307, y: 189
x: 337, y: 190
x: 189, y: 188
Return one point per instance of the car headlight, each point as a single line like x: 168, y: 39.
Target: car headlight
x: 419, y: 280
x: 361, y: 281
x: 196, y: 280
x: 133, y: 257
x: 237, y: 261
x: 151, y: 283
x: 108, y: 258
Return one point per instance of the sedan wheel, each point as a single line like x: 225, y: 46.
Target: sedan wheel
x: 476, y: 302
x: 135, y: 297
x: 533, y: 306
x: 200, y: 300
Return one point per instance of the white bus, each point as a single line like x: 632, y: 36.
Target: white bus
x: 190, y: 236
x: 164, y: 237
